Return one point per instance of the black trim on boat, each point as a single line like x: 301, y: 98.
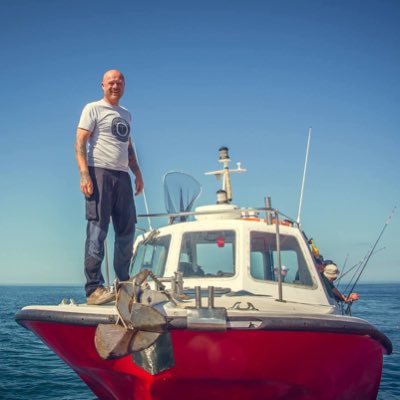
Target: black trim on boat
x: 327, y: 323
x: 63, y: 317
x: 331, y: 324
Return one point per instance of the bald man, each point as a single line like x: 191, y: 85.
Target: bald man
x: 104, y: 154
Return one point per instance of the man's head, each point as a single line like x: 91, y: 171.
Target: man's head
x: 331, y: 271
x: 113, y: 85
x: 284, y: 271
x: 319, y: 263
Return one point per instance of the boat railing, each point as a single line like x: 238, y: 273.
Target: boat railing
x: 245, y: 213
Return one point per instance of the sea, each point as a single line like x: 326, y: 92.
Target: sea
x: 29, y: 370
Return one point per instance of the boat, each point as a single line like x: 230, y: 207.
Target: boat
x: 224, y: 302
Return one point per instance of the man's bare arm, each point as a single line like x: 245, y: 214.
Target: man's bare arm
x: 340, y: 296
x: 82, y: 136
x: 134, y: 166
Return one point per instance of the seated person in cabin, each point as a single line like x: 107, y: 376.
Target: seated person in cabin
x: 329, y: 275
x: 188, y: 269
x: 284, y: 272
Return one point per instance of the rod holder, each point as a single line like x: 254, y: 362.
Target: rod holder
x: 211, y: 297
x: 198, y: 296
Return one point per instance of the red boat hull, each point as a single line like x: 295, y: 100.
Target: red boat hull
x: 236, y: 364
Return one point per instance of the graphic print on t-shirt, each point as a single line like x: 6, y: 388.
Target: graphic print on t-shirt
x: 120, y: 129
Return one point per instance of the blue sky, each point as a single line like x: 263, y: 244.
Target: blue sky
x: 253, y: 76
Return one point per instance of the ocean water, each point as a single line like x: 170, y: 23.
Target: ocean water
x: 29, y: 370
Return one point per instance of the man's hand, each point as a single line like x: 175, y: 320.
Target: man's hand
x: 133, y: 165
x: 353, y: 297
x: 139, y: 185
x: 82, y: 136
x: 86, y: 184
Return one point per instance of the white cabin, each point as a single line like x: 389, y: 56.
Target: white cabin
x: 237, y: 255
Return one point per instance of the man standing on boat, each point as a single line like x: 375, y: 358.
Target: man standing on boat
x: 104, y: 154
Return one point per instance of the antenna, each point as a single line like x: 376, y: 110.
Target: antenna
x: 304, y: 177
x: 143, y: 192
x: 225, y: 172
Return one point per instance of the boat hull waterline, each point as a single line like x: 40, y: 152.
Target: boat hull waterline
x: 235, y: 364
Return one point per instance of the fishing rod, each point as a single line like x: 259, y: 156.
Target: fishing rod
x: 304, y: 177
x: 343, y: 268
x: 106, y: 261
x: 143, y: 192
x: 372, y: 250
x: 343, y: 274
x: 358, y: 267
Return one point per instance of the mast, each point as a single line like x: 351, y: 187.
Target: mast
x: 225, y: 194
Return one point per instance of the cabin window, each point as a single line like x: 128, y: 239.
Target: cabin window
x: 207, y: 254
x: 264, y: 259
x: 151, y: 255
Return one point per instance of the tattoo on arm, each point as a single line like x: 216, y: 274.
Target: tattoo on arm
x: 84, y: 174
x: 82, y: 137
x: 132, y: 158
x: 81, y: 148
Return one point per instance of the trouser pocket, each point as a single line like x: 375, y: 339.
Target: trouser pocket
x: 91, y: 210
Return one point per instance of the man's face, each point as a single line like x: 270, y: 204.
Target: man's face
x: 320, y: 268
x: 113, y: 86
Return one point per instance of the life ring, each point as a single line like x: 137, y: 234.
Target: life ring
x: 284, y: 222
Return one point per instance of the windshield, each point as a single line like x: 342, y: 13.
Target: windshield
x: 151, y: 255
x: 264, y: 260
x: 208, y: 254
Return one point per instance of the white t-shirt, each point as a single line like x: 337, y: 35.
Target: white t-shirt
x: 110, y: 128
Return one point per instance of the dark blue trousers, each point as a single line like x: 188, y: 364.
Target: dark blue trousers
x: 112, y: 197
